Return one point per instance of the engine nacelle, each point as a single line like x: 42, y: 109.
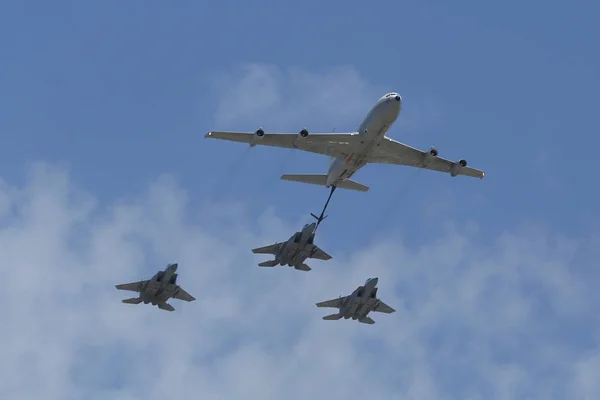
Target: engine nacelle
x: 173, y: 279
x: 457, y: 166
x: 257, y: 136
x: 301, y: 135
x: 429, y: 155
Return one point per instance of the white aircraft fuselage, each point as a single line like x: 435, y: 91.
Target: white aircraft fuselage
x: 371, y: 130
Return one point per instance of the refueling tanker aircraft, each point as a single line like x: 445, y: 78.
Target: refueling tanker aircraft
x: 349, y: 152
x: 296, y: 250
x: 160, y: 288
x: 358, y: 305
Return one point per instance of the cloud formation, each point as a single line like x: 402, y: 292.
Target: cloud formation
x: 285, y: 98
x: 497, y: 318
x: 501, y: 317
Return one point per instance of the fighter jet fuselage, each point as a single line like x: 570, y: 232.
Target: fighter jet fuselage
x: 158, y: 289
x: 358, y: 304
x: 298, y: 247
x: 161, y: 287
x: 361, y: 302
x: 295, y: 250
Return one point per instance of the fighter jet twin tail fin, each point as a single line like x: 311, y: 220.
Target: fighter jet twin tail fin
x: 335, y: 317
x: 273, y: 263
x: 137, y: 300
x: 133, y: 300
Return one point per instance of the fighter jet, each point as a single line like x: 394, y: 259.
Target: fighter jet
x: 295, y: 251
x: 157, y: 290
x: 360, y: 303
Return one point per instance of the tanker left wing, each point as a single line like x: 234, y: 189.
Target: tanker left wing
x: 338, y: 145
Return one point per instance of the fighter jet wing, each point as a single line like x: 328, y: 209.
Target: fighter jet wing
x: 132, y: 287
x: 319, y: 254
x: 270, y: 249
x: 334, y: 303
x: 383, y: 308
x: 391, y: 151
x: 331, y: 144
x: 183, y: 295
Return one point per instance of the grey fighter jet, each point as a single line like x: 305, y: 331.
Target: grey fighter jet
x: 295, y: 251
x: 157, y: 290
x: 360, y: 303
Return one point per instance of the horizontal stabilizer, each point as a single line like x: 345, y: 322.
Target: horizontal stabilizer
x: 367, y: 320
x: 303, y: 267
x: 166, y: 307
x: 133, y: 300
x: 271, y: 263
x: 352, y: 185
x: 332, y: 317
x: 317, y: 179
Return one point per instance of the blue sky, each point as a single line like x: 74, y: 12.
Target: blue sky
x: 107, y: 177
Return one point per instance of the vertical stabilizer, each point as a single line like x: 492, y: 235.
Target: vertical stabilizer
x: 271, y: 263
x: 303, y: 267
x: 367, y: 320
x: 133, y: 300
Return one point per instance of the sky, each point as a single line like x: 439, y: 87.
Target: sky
x: 105, y: 177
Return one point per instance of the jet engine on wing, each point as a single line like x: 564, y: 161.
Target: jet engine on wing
x: 457, y: 166
x: 257, y: 136
x: 301, y: 135
x: 429, y: 156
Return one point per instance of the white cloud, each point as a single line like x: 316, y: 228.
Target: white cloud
x: 280, y: 99
x: 477, y: 317
x: 502, y: 318
x: 284, y: 99
x: 586, y: 385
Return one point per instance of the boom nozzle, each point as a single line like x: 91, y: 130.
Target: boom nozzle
x: 320, y: 218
